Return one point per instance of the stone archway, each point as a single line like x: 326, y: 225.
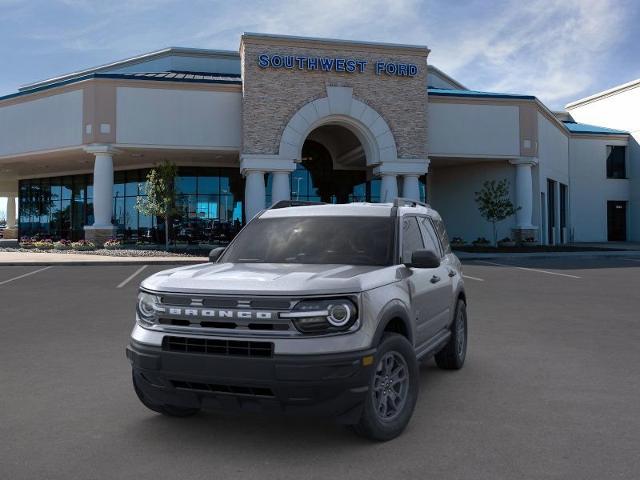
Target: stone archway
x: 340, y: 108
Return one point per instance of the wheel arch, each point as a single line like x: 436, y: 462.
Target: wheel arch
x: 394, y: 319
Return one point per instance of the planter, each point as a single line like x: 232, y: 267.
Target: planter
x: 507, y: 244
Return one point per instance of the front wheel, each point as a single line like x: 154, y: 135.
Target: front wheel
x: 393, y: 390
x: 452, y: 356
x: 169, y: 410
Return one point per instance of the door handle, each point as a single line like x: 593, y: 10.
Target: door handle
x: 452, y: 273
x: 435, y: 279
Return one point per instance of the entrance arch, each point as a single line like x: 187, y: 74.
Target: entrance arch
x: 340, y: 108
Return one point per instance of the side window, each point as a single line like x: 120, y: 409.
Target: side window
x: 430, y: 238
x: 442, y: 235
x: 411, y: 238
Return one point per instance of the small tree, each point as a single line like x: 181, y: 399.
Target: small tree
x: 494, y: 203
x: 160, y: 193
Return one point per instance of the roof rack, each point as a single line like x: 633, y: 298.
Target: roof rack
x: 408, y: 202
x: 293, y: 203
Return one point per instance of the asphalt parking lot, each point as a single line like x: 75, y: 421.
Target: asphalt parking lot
x: 551, y: 388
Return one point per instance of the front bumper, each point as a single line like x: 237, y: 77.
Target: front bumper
x: 326, y: 385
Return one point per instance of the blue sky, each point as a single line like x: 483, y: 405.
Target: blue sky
x: 558, y: 50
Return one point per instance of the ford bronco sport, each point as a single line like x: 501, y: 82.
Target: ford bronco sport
x: 312, y: 308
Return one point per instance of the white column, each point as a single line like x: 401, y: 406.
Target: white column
x: 280, y: 187
x: 411, y: 187
x: 524, y: 192
x: 11, y: 211
x: 254, y: 193
x: 103, y: 190
x: 388, y: 187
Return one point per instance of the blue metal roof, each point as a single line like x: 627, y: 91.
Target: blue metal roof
x: 444, y: 92
x: 188, y: 77
x: 575, y: 127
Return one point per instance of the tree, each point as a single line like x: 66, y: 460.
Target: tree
x: 160, y: 193
x: 494, y: 203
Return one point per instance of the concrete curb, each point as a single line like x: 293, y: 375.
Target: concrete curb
x: 589, y: 254
x: 89, y: 263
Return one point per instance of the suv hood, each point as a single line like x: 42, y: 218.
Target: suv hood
x: 270, y: 279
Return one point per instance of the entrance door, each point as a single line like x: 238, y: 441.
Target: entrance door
x: 617, y: 221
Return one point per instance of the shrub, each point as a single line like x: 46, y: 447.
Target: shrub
x: 43, y: 244
x: 112, y: 244
x: 26, y: 242
x: 62, y: 245
x: 481, y: 241
x: 457, y: 241
x: 83, y: 245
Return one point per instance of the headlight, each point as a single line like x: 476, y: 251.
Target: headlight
x: 323, y: 315
x: 146, y: 308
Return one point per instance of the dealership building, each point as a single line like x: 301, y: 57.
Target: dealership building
x: 309, y: 119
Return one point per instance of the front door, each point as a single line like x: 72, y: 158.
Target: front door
x: 617, y: 221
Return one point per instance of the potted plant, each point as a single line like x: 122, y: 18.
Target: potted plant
x: 83, y: 245
x: 506, y: 242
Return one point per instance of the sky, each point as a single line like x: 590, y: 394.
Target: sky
x: 558, y: 50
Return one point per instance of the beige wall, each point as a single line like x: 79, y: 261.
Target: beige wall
x: 272, y: 96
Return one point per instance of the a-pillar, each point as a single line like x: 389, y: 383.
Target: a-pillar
x: 524, y: 198
x: 102, y: 228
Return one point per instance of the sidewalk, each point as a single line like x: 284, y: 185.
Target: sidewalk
x: 32, y: 258
x: 465, y: 256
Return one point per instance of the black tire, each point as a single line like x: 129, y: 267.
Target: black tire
x: 372, y: 424
x: 168, y: 410
x: 452, y: 356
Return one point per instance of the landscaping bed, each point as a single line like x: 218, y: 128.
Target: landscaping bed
x: 529, y: 249
x: 120, y: 252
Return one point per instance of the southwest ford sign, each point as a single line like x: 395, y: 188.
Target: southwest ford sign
x: 331, y: 64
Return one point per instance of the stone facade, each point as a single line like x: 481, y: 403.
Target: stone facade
x: 98, y: 235
x: 272, y: 96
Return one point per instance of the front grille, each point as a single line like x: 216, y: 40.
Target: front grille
x: 209, y: 346
x: 229, y: 389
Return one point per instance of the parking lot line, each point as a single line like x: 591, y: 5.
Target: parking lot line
x: 529, y: 269
x: 131, y: 277
x: 25, y: 275
x: 473, y: 278
x: 633, y: 259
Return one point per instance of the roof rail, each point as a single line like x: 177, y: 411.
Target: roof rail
x: 294, y: 203
x: 408, y: 202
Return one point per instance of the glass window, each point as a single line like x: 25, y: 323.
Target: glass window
x: 131, y: 184
x: 208, y: 185
x: 119, y: 179
x: 67, y: 188
x: 442, y: 234
x: 430, y: 237
x: 361, y: 241
x: 411, y: 238
x: 186, y: 184
x: 616, y: 161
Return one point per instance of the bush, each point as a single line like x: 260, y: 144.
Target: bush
x: 112, y: 244
x: 62, y: 245
x: 481, y: 241
x: 43, y: 244
x: 457, y: 241
x: 26, y: 242
x: 83, y: 245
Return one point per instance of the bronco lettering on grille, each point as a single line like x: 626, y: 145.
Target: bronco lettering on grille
x: 216, y: 313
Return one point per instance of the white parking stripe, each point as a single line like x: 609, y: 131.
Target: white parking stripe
x: 25, y: 275
x: 132, y: 276
x: 473, y: 278
x: 529, y: 269
x: 633, y: 259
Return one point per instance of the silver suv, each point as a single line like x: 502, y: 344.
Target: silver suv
x: 313, y: 308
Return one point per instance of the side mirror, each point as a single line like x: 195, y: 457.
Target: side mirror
x: 214, y: 254
x: 424, y: 259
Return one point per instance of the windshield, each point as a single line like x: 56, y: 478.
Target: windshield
x: 339, y: 240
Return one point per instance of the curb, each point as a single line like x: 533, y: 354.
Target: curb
x: 546, y: 255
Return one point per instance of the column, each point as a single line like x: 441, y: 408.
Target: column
x: 411, y: 187
x: 280, y: 187
x: 254, y: 193
x: 524, y: 197
x: 388, y: 187
x: 102, y: 228
x: 11, y: 212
